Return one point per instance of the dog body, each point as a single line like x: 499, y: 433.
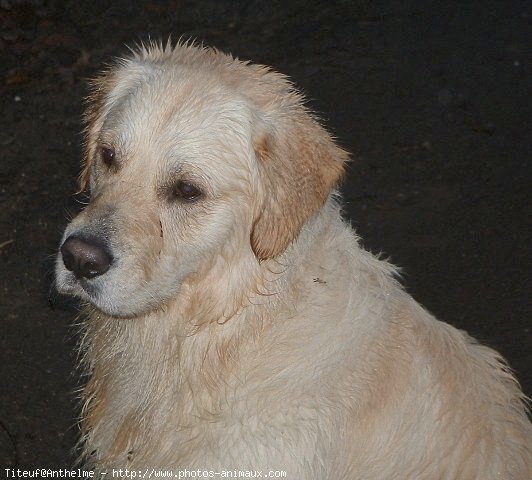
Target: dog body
x: 233, y: 320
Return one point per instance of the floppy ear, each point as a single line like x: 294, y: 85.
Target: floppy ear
x: 299, y: 165
x: 118, y: 79
x: 93, y: 119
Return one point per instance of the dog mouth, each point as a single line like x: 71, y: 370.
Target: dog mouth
x: 91, y: 291
x: 88, y: 286
x: 68, y: 284
x: 107, y: 293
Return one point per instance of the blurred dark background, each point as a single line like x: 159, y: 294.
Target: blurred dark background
x: 432, y: 98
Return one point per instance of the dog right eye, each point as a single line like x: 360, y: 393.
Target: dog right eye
x: 108, y: 155
x: 186, y: 191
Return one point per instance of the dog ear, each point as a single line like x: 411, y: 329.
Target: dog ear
x: 299, y: 165
x: 93, y: 119
x: 119, y: 79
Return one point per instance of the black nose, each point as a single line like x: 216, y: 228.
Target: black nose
x: 85, y: 258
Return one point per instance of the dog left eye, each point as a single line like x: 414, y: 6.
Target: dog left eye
x: 108, y: 155
x: 186, y: 191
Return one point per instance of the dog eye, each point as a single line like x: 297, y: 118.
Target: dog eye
x: 108, y: 155
x: 186, y: 191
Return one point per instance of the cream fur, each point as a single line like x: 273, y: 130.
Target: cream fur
x: 249, y: 330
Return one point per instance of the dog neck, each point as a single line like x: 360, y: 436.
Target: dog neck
x: 177, y: 359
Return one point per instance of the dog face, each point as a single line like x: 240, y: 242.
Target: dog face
x: 191, y: 156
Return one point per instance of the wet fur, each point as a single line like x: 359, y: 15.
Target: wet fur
x: 281, y: 344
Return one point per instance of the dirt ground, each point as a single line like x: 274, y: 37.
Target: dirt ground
x: 432, y: 98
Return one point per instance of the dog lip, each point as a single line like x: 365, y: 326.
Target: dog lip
x: 88, y: 286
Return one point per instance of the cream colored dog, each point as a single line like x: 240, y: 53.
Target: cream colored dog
x: 233, y: 320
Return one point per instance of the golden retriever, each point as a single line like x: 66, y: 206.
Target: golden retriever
x: 234, y: 322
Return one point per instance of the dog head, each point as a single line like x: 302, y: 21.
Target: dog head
x: 190, y: 156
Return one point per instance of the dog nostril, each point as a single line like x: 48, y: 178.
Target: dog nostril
x: 85, y: 258
x: 68, y: 259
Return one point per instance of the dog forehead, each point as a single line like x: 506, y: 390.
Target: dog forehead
x: 177, y: 105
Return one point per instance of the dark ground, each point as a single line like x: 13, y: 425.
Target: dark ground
x: 432, y: 97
